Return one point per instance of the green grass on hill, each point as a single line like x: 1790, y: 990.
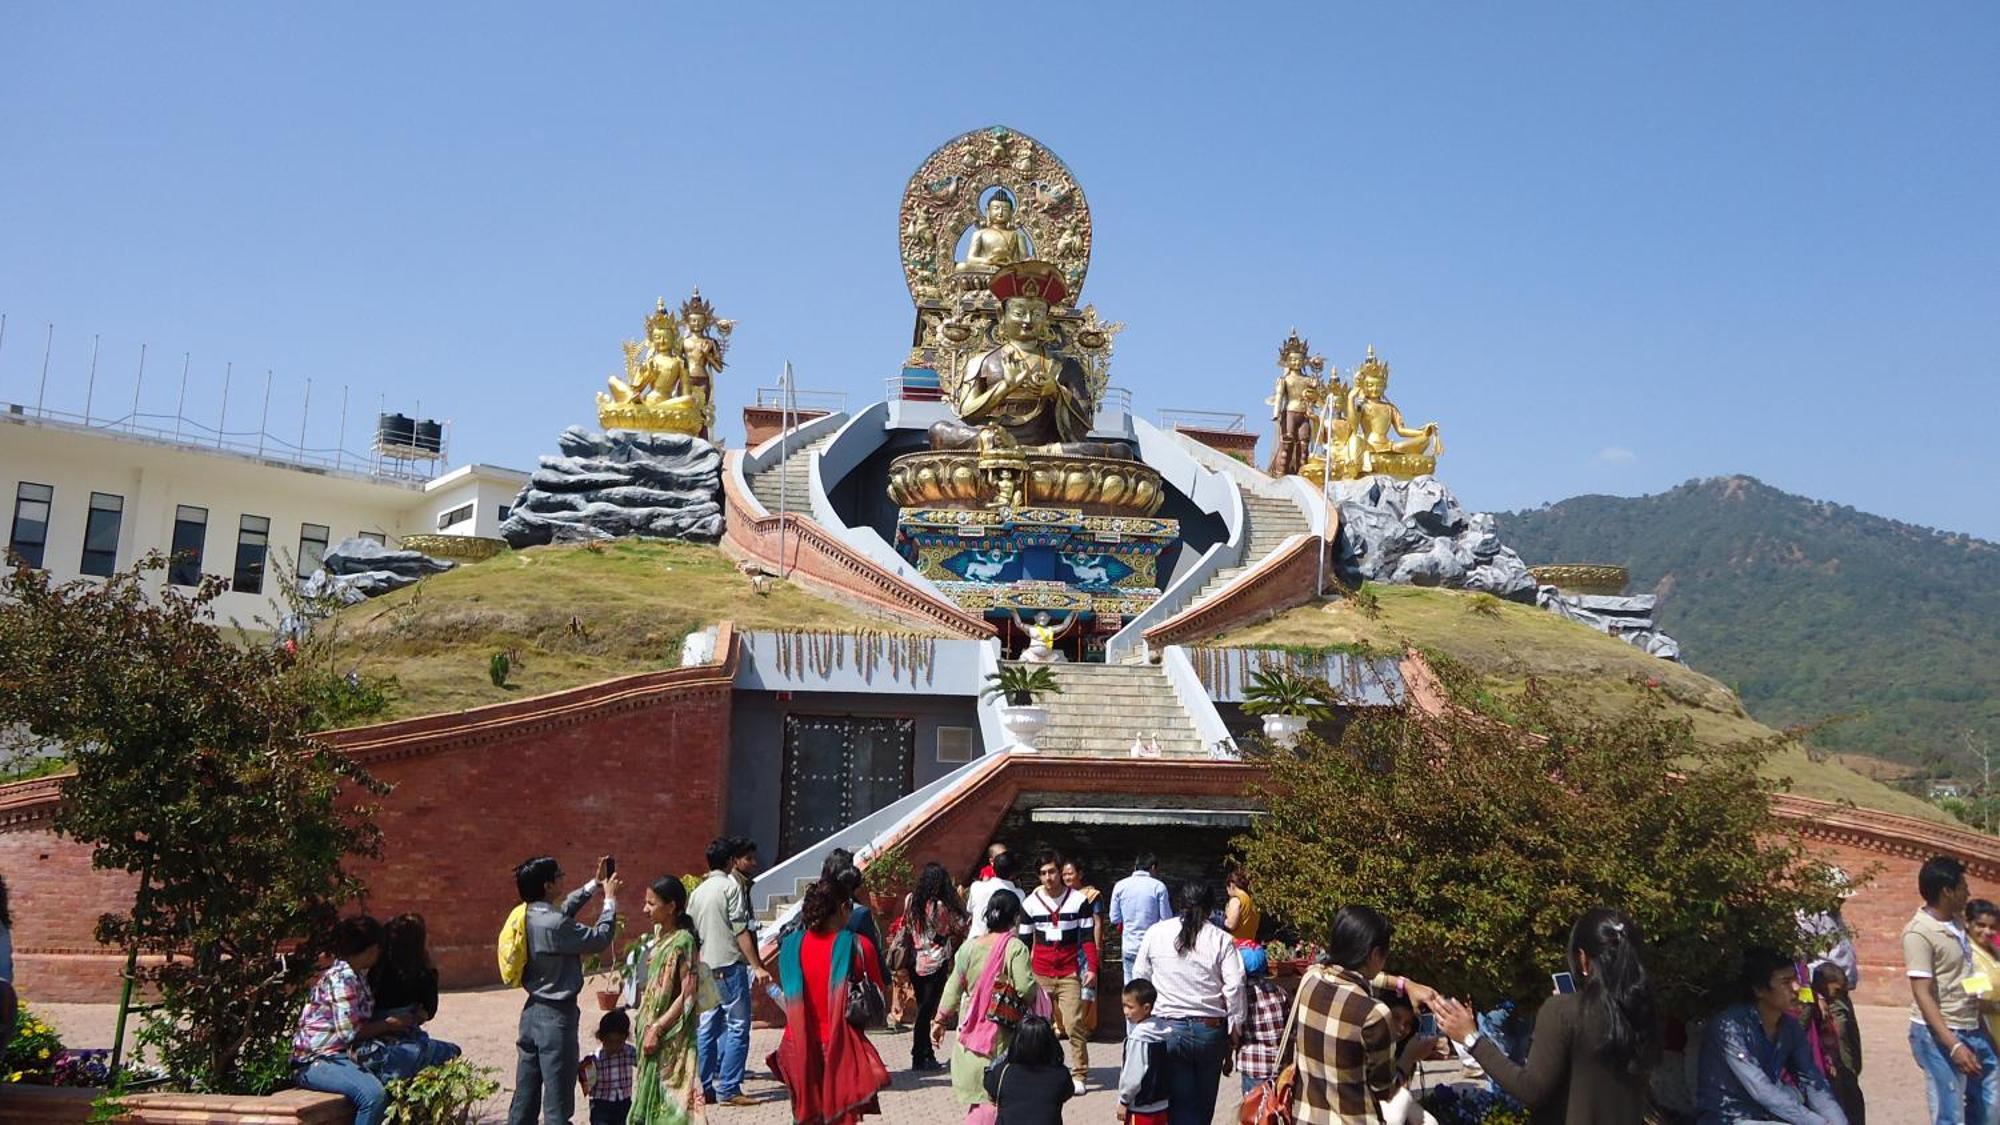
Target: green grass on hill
x: 568, y: 615
x: 1506, y: 644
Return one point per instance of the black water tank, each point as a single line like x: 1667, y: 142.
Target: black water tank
x: 429, y: 436
x: 395, y: 429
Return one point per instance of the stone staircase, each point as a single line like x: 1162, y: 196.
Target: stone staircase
x: 788, y: 484
x: 1102, y: 707
x: 1271, y: 520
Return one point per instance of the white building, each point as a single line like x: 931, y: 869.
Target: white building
x: 91, y: 500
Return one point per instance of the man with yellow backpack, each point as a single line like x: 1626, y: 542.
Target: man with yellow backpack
x: 541, y: 950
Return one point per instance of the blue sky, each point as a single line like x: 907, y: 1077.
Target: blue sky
x: 1607, y: 247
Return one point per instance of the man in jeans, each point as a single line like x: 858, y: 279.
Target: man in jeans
x: 1138, y: 901
x: 720, y: 911
x: 1961, y: 1070
x: 546, y: 1050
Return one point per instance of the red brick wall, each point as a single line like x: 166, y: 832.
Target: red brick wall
x: 762, y: 423
x: 637, y: 767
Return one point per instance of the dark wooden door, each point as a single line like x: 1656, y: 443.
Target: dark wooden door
x: 839, y: 769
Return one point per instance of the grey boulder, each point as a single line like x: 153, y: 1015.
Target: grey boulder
x: 1415, y: 533
x: 358, y: 569
x: 620, y: 483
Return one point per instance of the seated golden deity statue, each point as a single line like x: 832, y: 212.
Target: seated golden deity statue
x: 1295, y: 404
x: 999, y: 241
x: 1378, y: 440
x: 669, y: 381
x: 1039, y: 398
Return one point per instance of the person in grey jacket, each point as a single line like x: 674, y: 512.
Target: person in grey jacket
x: 545, y: 1066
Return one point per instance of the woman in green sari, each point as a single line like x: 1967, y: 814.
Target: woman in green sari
x: 666, y: 1090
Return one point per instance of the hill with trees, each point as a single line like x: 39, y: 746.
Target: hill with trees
x: 1881, y: 635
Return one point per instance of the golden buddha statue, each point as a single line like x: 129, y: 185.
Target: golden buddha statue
x: 1038, y: 398
x: 1295, y: 404
x: 1378, y: 440
x: 999, y: 241
x: 669, y: 381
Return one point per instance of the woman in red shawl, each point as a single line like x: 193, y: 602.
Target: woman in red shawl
x: 827, y: 1065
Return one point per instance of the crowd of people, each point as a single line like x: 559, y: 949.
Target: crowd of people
x: 1008, y: 978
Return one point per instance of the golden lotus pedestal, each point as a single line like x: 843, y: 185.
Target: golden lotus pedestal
x: 682, y: 415
x: 1094, y: 486
x: 1402, y: 466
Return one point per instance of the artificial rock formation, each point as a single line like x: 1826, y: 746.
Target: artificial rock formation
x: 1629, y: 617
x: 1414, y: 533
x: 358, y: 569
x: 619, y: 483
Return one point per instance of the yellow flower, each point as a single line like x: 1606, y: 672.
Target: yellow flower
x: 45, y: 1053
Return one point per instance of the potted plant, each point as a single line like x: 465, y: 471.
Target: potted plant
x: 610, y: 973
x: 1020, y: 685
x: 1288, y: 703
x: 889, y: 879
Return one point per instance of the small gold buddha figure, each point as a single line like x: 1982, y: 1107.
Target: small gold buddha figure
x: 702, y: 353
x: 1379, y: 433
x: 1295, y: 404
x: 999, y: 241
x: 1037, y: 396
x: 653, y: 371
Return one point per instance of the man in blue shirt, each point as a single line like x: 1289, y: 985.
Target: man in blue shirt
x: 1750, y: 1046
x: 1138, y: 901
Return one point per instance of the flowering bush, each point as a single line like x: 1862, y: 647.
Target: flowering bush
x: 1473, y: 1105
x: 32, y: 1054
x: 83, y: 1068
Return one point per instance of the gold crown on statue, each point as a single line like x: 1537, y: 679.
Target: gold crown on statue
x: 1372, y: 366
x: 1293, y: 346
x: 659, y: 318
x: 697, y: 304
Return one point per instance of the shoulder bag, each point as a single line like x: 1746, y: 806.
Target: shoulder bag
x: 1270, y: 1103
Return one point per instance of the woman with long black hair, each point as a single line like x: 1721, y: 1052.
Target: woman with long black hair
x: 828, y: 1066
x: 1595, y: 1048
x: 1198, y: 975
x: 937, y: 925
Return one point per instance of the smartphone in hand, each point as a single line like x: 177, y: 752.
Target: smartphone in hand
x: 607, y: 866
x: 1564, y: 982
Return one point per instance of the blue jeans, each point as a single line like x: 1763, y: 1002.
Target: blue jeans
x: 722, y: 1042
x: 1956, y: 1099
x: 405, y: 1056
x: 1195, y: 1053
x: 342, y: 1076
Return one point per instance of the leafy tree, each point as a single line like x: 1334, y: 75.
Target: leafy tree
x: 1484, y: 839
x: 193, y: 768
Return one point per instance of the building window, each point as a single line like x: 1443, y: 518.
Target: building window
x: 376, y: 537
x: 957, y: 744
x: 253, y: 545
x: 31, y: 522
x: 505, y: 511
x: 312, y: 547
x: 454, y: 517
x: 100, y: 534
x: 190, y: 535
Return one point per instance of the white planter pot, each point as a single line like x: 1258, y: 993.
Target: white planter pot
x: 1284, y: 730
x: 1022, y: 724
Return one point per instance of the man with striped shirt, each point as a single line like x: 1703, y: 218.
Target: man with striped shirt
x: 1060, y: 928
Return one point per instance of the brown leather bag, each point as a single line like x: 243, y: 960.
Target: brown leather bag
x: 1270, y: 1101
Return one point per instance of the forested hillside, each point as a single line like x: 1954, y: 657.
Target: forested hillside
x: 1812, y: 611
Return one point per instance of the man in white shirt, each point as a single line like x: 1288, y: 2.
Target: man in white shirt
x: 1004, y: 867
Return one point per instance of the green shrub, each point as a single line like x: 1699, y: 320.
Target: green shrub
x: 497, y: 668
x: 447, y: 1094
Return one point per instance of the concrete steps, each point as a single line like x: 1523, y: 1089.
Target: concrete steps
x: 1271, y: 520
x: 787, y: 485
x: 1103, y: 707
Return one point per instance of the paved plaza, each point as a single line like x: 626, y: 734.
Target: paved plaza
x: 482, y: 1021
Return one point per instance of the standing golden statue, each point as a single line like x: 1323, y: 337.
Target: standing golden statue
x: 669, y: 381
x: 1295, y: 404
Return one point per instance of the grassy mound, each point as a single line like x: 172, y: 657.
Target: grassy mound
x: 566, y: 615
x: 1507, y: 644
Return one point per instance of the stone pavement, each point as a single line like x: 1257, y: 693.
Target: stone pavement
x: 482, y: 1021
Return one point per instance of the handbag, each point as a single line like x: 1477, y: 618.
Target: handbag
x: 865, y: 1002
x: 1005, y: 1007
x: 1270, y: 1102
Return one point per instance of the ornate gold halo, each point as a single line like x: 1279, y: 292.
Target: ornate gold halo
x: 942, y: 201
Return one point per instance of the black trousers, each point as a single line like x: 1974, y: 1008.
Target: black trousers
x: 930, y: 990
